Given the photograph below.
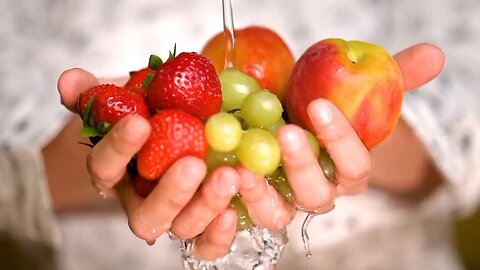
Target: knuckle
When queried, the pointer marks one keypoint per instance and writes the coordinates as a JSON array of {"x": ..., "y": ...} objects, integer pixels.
[
  {"x": 209, "y": 251},
  {"x": 188, "y": 231},
  {"x": 106, "y": 178},
  {"x": 175, "y": 201},
  {"x": 361, "y": 170},
  {"x": 119, "y": 145},
  {"x": 213, "y": 203},
  {"x": 96, "y": 174}
]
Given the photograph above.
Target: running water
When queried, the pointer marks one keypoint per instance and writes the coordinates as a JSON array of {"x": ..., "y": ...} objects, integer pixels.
[
  {"x": 229, "y": 32},
  {"x": 253, "y": 249},
  {"x": 305, "y": 238}
]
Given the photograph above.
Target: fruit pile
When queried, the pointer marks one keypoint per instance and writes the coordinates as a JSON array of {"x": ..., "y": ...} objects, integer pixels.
[{"x": 230, "y": 116}]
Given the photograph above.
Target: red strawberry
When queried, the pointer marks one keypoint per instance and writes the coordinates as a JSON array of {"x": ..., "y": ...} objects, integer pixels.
[
  {"x": 104, "y": 105},
  {"x": 140, "y": 79},
  {"x": 142, "y": 186},
  {"x": 175, "y": 134},
  {"x": 136, "y": 81},
  {"x": 189, "y": 82}
]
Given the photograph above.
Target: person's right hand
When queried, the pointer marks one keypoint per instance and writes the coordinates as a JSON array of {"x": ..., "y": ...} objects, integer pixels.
[{"x": 181, "y": 202}]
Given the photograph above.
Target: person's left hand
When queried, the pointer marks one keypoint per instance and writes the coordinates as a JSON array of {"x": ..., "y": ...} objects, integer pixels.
[{"x": 313, "y": 192}]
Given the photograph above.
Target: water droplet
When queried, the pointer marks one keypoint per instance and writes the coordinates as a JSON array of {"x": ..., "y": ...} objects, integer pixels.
[
  {"x": 172, "y": 236},
  {"x": 102, "y": 194}
]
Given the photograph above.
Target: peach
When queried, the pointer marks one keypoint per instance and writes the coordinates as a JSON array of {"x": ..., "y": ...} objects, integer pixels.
[
  {"x": 360, "y": 78},
  {"x": 259, "y": 52}
]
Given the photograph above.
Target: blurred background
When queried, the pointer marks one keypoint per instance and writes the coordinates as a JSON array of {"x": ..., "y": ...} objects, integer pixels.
[
  {"x": 468, "y": 240},
  {"x": 41, "y": 38}
]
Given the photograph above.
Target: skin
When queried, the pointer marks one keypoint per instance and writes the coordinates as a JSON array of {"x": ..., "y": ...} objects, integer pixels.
[{"x": 176, "y": 205}]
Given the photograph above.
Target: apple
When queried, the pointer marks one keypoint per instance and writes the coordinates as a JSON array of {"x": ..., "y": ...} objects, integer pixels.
[
  {"x": 260, "y": 52},
  {"x": 360, "y": 78}
]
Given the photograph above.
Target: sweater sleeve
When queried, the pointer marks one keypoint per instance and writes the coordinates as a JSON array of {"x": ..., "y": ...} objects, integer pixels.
[
  {"x": 446, "y": 118},
  {"x": 25, "y": 209}
]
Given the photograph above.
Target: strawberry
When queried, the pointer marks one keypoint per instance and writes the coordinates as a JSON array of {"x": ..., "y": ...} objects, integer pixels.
[
  {"x": 188, "y": 82},
  {"x": 140, "y": 79},
  {"x": 175, "y": 134},
  {"x": 104, "y": 105},
  {"x": 142, "y": 186},
  {"x": 136, "y": 81}
]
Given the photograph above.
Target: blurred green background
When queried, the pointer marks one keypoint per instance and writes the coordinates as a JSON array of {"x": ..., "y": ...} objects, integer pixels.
[{"x": 468, "y": 240}]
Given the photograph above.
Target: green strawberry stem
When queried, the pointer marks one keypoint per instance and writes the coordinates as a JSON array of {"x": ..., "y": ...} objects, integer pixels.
[
  {"x": 147, "y": 81},
  {"x": 87, "y": 113},
  {"x": 174, "y": 54},
  {"x": 103, "y": 128},
  {"x": 90, "y": 132}
]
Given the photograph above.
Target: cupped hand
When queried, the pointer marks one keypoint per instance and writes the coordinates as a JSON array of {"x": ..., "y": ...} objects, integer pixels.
[
  {"x": 182, "y": 203},
  {"x": 189, "y": 207},
  {"x": 419, "y": 64}
]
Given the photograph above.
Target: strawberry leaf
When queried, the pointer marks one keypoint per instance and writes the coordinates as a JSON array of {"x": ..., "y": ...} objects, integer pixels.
[
  {"x": 154, "y": 62},
  {"x": 90, "y": 132},
  {"x": 172, "y": 55},
  {"x": 103, "y": 128},
  {"x": 147, "y": 81},
  {"x": 87, "y": 115}
]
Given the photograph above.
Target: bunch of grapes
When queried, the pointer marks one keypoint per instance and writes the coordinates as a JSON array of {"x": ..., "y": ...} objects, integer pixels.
[{"x": 244, "y": 132}]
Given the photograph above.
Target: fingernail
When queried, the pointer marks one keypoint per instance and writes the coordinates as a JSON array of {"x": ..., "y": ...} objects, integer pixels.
[
  {"x": 321, "y": 112},
  {"x": 249, "y": 180},
  {"x": 226, "y": 221},
  {"x": 293, "y": 141},
  {"x": 189, "y": 175},
  {"x": 134, "y": 129},
  {"x": 226, "y": 184}
]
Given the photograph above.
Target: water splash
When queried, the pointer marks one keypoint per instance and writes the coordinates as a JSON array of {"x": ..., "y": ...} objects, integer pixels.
[{"x": 253, "y": 249}]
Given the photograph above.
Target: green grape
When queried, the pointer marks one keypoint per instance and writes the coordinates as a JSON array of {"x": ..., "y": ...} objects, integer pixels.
[
  {"x": 279, "y": 181},
  {"x": 259, "y": 151},
  {"x": 236, "y": 85},
  {"x": 274, "y": 128},
  {"x": 327, "y": 165},
  {"x": 215, "y": 159},
  {"x": 223, "y": 132},
  {"x": 313, "y": 141},
  {"x": 261, "y": 109},
  {"x": 244, "y": 221}
]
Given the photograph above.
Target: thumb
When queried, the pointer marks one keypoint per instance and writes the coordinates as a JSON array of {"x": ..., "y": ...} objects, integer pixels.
[
  {"x": 420, "y": 64},
  {"x": 71, "y": 83}
]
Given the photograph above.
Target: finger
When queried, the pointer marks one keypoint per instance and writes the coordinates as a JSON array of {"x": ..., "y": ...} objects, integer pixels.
[
  {"x": 71, "y": 83},
  {"x": 215, "y": 242},
  {"x": 172, "y": 193},
  {"x": 351, "y": 157},
  {"x": 419, "y": 64},
  {"x": 313, "y": 192},
  {"x": 265, "y": 206},
  {"x": 108, "y": 159},
  {"x": 213, "y": 198}
]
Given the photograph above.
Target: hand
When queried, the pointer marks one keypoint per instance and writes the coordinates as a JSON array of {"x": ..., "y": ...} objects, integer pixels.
[
  {"x": 179, "y": 202},
  {"x": 419, "y": 64},
  {"x": 313, "y": 192}
]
